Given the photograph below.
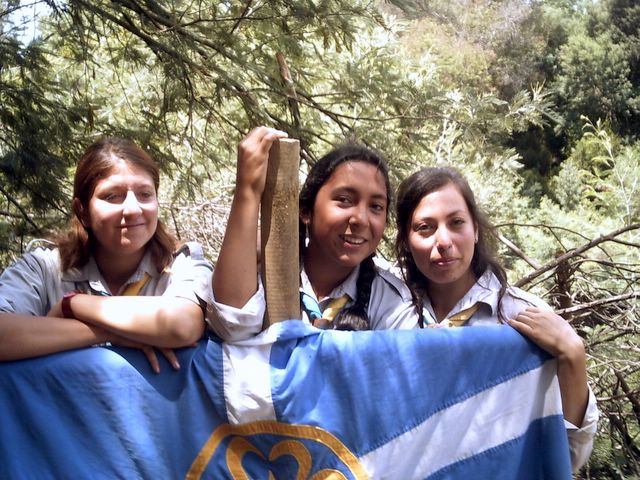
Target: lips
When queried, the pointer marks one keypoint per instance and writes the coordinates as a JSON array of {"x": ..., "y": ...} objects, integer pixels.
[
  {"x": 445, "y": 262},
  {"x": 356, "y": 241}
]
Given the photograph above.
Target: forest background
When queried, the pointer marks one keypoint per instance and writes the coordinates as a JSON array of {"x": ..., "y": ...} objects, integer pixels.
[{"x": 536, "y": 101}]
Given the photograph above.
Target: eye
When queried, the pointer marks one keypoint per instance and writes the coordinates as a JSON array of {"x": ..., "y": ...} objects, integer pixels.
[
  {"x": 344, "y": 200},
  {"x": 379, "y": 207},
  {"x": 146, "y": 195},
  {"x": 113, "y": 197},
  {"x": 458, "y": 222},
  {"x": 424, "y": 228}
]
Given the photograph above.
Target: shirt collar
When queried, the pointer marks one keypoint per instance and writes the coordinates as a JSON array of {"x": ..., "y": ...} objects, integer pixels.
[
  {"x": 348, "y": 286},
  {"x": 90, "y": 273},
  {"x": 484, "y": 291}
]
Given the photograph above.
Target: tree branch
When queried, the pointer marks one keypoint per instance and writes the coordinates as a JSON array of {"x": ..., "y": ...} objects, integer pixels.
[
  {"x": 243, "y": 15},
  {"x": 514, "y": 248},
  {"x": 25, "y": 215},
  {"x": 598, "y": 303},
  {"x": 574, "y": 253}
]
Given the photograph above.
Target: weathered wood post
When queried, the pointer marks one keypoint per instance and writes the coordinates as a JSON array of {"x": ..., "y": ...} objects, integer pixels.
[{"x": 279, "y": 233}]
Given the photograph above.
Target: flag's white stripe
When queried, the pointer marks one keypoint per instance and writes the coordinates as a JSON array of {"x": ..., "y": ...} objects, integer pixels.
[
  {"x": 247, "y": 383},
  {"x": 479, "y": 423}
]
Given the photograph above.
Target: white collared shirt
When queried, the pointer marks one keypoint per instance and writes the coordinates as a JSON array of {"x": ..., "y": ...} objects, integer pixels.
[
  {"x": 390, "y": 305},
  {"x": 486, "y": 292}
]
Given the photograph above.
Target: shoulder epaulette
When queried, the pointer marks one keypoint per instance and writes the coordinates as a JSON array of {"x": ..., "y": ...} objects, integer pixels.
[{"x": 192, "y": 249}]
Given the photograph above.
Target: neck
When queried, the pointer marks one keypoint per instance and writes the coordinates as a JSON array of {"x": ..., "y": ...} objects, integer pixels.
[
  {"x": 444, "y": 296},
  {"x": 117, "y": 269},
  {"x": 324, "y": 278}
]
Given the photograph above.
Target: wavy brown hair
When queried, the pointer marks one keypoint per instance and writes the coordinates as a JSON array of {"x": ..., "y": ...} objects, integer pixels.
[
  {"x": 410, "y": 192},
  {"x": 77, "y": 244}
]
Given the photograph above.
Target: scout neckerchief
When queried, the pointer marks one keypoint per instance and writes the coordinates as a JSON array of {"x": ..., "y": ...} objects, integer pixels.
[
  {"x": 460, "y": 318},
  {"x": 324, "y": 319},
  {"x": 135, "y": 287}
]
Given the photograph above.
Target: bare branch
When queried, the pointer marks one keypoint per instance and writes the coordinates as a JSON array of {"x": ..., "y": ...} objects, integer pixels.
[
  {"x": 574, "y": 253},
  {"x": 514, "y": 248},
  {"x": 598, "y": 303},
  {"x": 243, "y": 15}
]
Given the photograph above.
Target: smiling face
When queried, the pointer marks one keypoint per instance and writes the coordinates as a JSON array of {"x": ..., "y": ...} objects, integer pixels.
[
  {"x": 348, "y": 218},
  {"x": 122, "y": 212},
  {"x": 441, "y": 238}
]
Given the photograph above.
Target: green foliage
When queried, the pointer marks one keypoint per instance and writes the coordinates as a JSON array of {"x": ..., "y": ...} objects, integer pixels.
[
  {"x": 595, "y": 81},
  {"x": 37, "y": 140},
  {"x": 607, "y": 175},
  {"x": 535, "y": 101}
]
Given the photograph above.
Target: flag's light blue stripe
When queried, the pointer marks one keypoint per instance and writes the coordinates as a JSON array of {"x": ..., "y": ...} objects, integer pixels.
[
  {"x": 344, "y": 369},
  {"x": 101, "y": 413},
  {"x": 536, "y": 460}
]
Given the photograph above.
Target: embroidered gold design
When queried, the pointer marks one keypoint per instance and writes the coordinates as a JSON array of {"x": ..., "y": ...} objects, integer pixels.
[
  {"x": 240, "y": 444},
  {"x": 298, "y": 451},
  {"x": 238, "y": 447},
  {"x": 329, "y": 474}
]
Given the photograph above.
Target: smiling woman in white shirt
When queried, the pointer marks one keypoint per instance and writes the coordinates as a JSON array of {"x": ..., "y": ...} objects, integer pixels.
[
  {"x": 449, "y": 264},
  {"x": 116, "y": 275},
  {"x": 343, "y": 210}
]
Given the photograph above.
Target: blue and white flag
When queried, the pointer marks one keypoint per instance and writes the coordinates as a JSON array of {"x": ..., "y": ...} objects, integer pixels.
[{"x": 293, "y": 402}]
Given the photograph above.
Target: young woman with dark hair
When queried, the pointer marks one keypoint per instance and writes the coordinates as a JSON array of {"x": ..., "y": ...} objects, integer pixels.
[
  {"x": 116, "y": 276},
  {"x": 445, "y": 251},
  {"x": 343, "y": 209}
]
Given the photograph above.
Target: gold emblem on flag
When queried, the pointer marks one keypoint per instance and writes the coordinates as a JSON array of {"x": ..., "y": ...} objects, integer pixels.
[{"x": 295, "y": 442}]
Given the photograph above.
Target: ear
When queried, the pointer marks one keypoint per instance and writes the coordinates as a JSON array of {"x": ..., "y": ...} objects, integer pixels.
[
  {"x": 475, "y": 231},
  {"x": 305, "y": 216},
  {"x": 80, "y": 212}
]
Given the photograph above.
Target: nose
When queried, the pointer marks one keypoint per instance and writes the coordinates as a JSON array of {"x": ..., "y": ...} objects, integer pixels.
[
  {"x": 130, "y": 205},
  {"x": 359, "y": 215},
  {"x": 443, "y": 239}
]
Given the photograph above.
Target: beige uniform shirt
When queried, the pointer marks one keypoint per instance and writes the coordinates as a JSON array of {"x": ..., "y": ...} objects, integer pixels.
[{"x": 33, "y": 284}]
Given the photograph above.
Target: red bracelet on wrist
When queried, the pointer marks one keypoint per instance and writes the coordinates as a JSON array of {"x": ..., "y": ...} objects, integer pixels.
[{"x": 67, "y": 312}]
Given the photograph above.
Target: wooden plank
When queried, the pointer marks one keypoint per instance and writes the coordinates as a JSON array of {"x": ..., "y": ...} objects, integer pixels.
[{"x": 279, "y": 233}]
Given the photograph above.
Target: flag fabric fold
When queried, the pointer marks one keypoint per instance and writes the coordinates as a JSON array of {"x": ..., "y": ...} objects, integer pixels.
[{"x": 293, "y": 402}]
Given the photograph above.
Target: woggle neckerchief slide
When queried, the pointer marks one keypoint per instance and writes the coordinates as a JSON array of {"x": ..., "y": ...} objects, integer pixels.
[{"x": 292, "y": 402}]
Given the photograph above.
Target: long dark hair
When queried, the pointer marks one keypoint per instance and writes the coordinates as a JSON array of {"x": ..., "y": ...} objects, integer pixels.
[
  {"x": 354, "y": 317},
  {"x": 410, "y": 192},
  {"x": 98, "y": 161}
]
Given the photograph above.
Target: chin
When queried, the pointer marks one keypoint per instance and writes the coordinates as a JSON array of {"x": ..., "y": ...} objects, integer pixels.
[
  {"x": 132, "y": 247},
  {"x": 444, "y": 280},
  {"x": 353, "y": 263}
]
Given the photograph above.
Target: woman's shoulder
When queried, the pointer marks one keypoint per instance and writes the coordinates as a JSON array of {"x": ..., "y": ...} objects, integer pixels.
[
  {"x": 521, "y": 299},
  {"x": 388, "y": 277},
  {"x": 514, "y": 299},
  {"x": 33, "y": 278},
  {"x": 42, "y": 253},
  {"x": 190, "y": 249},
  {"x": 189, "y": 260}
]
